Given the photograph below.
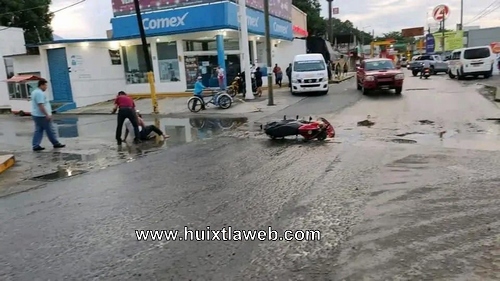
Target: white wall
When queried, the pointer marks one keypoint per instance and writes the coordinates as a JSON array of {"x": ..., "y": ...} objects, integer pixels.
[
  {"x": 11, "y": 43},
  {"x": 94, "y": 79},
  {"x": 24, "y": 64}
]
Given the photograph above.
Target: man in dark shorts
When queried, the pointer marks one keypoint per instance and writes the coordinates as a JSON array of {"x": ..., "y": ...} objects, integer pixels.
[{"x": 126, "y": 110}]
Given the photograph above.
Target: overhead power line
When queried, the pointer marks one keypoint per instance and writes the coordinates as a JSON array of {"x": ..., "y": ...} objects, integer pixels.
[
  {"x": 38, "y": 7},
  {"x": 495, "y": 5}
]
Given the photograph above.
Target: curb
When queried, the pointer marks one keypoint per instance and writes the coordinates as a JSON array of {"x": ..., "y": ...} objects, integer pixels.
[
  {"x": 495, "y": 90},
  {"x": 340, "y": 80},
  {"x": 6, "y": 161}
]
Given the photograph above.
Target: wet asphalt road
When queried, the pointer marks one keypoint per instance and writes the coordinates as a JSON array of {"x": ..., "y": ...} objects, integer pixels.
[{"x": 419, "y": 206}]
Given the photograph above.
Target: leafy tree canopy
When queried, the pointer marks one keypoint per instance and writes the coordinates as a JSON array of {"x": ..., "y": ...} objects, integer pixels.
[{"x": 33, "y": 16}]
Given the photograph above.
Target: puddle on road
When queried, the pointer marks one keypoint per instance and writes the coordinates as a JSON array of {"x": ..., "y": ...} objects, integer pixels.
[
  {"x": 59, "y": 175},
  {"x": 96, "y": 149}
]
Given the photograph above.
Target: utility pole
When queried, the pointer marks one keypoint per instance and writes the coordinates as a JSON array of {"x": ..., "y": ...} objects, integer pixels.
[
  {"x": 270, "y": 100},
  {"x": 461, "y": 15},
  {"x": 245, "y": 55},
  {"x": 147, "y": 57},
  {"x": 330, "y": 22},
  {"x": 442, "y": 34}
]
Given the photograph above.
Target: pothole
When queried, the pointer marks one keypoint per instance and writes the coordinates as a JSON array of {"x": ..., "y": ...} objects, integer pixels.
[
  {"x": 419, "y": 89},
  {"x": 426, "y": 122},
  {"x": 407, "y": 134},
  {"x": 61, "y": 174},
  {"x": 366, "y": 123},
  {"x": 403, "y": 141}
]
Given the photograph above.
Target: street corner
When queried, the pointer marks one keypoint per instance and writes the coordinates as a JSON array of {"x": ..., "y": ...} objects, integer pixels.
[{"x": 6, "y": 161}]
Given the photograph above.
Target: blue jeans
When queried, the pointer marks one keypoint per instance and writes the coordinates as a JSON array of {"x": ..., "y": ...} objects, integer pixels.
[{"x": 42, "y": 124}]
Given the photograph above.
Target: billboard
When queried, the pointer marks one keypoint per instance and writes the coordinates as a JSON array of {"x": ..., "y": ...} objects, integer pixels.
[
  {"x": 278, "y": 8},
  {"x": 412, "y": 32},
  {"x": 452, "y": 40}
]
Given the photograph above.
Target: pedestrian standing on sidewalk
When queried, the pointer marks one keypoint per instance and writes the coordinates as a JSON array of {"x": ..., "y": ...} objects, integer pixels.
[
  {"x": 220, "y": 77},
  {"x": 258, "y": 81},
  {"x": 126, "y": 110},
  {"x": 41, "y": 112},
  {"x": 289, "y": 75}
]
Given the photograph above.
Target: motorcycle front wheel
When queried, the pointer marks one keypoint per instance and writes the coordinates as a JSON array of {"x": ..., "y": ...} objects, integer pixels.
[{"x": 322, "y": 136}]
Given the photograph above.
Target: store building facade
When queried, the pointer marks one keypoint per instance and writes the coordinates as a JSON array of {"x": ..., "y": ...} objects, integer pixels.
[{"x": 184, "y": 43}]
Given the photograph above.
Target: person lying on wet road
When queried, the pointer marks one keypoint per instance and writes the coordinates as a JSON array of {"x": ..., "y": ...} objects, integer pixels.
[
  {"x": 145, "y": 132},
  {"x": 126, "y": 110}
]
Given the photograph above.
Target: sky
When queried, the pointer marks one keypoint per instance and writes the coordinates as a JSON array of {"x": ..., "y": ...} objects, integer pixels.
[{"x": 90, "y": 19}]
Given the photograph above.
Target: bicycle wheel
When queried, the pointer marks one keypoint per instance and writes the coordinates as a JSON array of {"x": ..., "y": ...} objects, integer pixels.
[
  {"x": 231, "y": 91},
  {"x": 194, "y": 107},
  {"x": 225, "y": 101}
]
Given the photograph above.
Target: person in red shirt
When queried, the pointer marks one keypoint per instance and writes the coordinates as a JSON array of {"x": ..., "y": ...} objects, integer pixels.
[{"x": 126, "y": 110}]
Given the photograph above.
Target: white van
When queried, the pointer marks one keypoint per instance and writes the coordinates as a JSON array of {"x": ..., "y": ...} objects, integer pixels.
[
  {"x": 473, "y": 61},
  {"x": 309, "y": 74}
]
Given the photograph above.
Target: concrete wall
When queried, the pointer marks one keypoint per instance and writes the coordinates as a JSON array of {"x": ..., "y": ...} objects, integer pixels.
[
  {"x": 299, "y": 18},
  {"x": 483, "y": 37},
  {"x": 11, "y": 43},
  {"x": 96, "y": 79}
]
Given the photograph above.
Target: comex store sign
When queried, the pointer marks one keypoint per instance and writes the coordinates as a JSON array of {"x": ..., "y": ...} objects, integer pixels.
[
  {"x": 278, "y": 28},
  {"x": 175, "y": 21}
]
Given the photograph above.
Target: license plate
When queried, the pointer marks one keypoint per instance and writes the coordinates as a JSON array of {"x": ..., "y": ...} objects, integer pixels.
[{"x": 384, "y": 87}]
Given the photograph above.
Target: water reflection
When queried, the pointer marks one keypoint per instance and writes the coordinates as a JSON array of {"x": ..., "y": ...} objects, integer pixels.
[{"x": 67, "y": 127}]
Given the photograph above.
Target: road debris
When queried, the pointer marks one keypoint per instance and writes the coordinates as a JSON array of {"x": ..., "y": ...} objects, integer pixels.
[{"x": 426, "y": 122}]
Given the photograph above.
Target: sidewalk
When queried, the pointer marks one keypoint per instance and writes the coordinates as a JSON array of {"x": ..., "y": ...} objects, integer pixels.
[{"x": 178, "y": 106}]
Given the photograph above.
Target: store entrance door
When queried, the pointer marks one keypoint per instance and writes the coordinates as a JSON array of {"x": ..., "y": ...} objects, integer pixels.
[{"x": 206, "y": 67}]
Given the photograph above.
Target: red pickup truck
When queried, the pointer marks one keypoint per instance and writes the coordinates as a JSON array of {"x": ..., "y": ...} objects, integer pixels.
[{"x": 379, "y": 74}]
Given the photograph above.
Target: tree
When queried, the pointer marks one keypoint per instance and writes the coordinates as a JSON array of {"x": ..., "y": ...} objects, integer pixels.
[
  {"x": 396, "y": 35},
  {"x": 347, "y": 28},
  {"x": 33, "y": 16},
  {"x": 315, "y": 23}
]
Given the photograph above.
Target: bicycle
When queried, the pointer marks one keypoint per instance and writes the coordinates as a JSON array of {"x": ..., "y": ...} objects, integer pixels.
[{"x": 217, "y": 98}]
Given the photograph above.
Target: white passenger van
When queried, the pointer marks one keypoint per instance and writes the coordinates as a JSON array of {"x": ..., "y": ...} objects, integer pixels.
[
  {"x": 473, "y": 61},
  {"x": 309, "y": 74}
]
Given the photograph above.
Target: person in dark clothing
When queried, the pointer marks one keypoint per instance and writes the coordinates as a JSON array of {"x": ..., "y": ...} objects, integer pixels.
[
  {"x": 289, "y": 75},
  {"x": 144, "y": 131},
  {"x": 258, "y": 81},
  {"x": 126, "y": 110}
]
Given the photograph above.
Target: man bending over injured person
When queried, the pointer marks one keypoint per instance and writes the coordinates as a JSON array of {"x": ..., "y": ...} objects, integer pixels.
[{"x": 145, "y": 132}]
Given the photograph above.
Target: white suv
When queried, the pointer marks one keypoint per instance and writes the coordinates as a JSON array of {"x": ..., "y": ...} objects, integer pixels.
[{"x": 474, "y": 61}]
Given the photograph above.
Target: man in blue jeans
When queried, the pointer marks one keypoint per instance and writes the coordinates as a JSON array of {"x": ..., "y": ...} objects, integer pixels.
[{"x": 41, "y": 112}]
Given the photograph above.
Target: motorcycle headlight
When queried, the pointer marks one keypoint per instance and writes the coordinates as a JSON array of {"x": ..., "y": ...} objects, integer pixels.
[
  {"x": 370, "y": 78},
  {"x": 399, "y": 76}
]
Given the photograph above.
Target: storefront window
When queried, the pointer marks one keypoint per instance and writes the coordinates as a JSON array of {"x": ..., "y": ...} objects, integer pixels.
[
  {"x": 21, "y": 90},
  {"x": 168, "y": 63},
  {"x": 193, "y": 46},
  {"x": 136, "y": 69}
]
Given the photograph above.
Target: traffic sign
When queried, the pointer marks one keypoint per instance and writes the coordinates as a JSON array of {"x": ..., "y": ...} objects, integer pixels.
[
  {"x": 441, "y": 12},
  {"x": 335, "y": 11}
]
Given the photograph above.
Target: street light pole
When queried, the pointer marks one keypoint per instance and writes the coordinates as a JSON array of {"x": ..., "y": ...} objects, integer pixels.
[
  {"x": 245, "y": 50},
  {"x": 147, "y": 57},
  {"x": 270, "y": 100},
  {"x": 330, "y": 22}
]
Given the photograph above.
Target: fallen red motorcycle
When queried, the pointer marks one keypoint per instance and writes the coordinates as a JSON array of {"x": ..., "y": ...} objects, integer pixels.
[{"x": 319, "y": 129}]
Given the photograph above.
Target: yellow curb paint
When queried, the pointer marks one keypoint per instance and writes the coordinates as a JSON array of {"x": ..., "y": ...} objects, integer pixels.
[{"x": 6, "y": 161}]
